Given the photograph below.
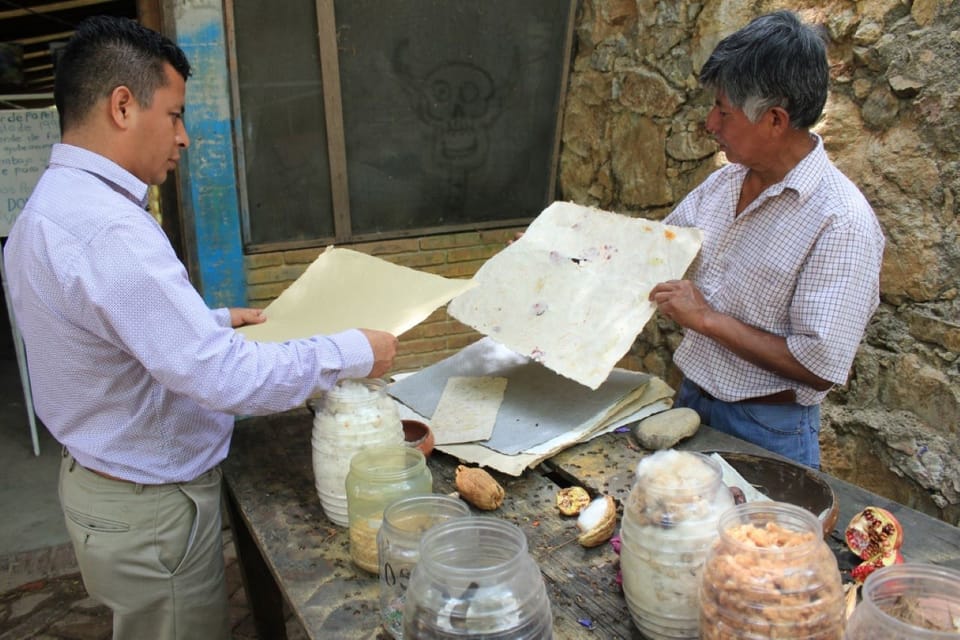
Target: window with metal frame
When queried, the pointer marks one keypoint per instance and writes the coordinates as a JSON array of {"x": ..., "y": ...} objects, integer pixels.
[{"x": 373, "y": 119}]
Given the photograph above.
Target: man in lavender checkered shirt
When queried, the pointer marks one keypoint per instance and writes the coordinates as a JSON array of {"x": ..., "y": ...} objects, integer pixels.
[
  {"x": 788, "y": 276},
  {"x": 131, "y": 371}
]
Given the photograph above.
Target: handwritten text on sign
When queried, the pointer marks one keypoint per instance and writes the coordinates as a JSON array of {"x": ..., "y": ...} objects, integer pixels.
[{"x": 25, "y": 139}]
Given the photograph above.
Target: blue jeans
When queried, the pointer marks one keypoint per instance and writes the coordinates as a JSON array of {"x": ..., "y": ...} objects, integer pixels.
[{"x": 792, "y": 430}]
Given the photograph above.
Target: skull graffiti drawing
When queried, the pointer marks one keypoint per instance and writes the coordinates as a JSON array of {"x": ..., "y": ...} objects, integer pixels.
[{"x": 459, "y": 101}]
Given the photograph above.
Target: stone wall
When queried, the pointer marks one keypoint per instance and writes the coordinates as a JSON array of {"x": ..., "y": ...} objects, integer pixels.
[{"x": 633, "y": 142}]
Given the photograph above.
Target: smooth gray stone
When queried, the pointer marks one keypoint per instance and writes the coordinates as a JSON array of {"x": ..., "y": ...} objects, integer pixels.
[{"x": 667, "y": 428}]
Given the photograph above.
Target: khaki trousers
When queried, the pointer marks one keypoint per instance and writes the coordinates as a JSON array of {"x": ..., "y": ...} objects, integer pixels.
[{"x": 151, "y": 553}]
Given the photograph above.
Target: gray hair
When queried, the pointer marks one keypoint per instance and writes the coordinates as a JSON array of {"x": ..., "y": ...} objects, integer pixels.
[{"x": 775, "y": 61}]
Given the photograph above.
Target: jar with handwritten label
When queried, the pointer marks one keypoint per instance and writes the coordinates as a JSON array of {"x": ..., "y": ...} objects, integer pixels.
[
  {"x": 917, "y": 601},
  {"x": 378, "y": 476},
  {"x": 353, "y": 415},
  {"x": 476, "y": 579},
  {"x": 398, "y": 548}
]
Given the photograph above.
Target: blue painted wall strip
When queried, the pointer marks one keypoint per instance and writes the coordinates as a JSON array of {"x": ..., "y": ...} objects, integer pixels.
[{"x": 210, "y": 163}]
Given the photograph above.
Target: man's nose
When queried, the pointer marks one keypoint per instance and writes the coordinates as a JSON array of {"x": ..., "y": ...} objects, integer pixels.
[
  {"x": 183, "y": 140},
  {"x": 710, "y": 124}
]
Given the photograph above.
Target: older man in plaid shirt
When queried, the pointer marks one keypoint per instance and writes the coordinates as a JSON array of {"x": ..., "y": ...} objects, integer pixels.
[{"x": 788, "y": 275}]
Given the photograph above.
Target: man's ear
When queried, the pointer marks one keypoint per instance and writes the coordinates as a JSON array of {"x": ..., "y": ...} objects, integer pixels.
[
  {"x": 779, "y": 119},
  {"x": 121, "y": 104}
]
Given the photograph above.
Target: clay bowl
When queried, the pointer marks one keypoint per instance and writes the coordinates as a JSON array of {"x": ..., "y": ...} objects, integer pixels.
[
  {"x": 417, "y": 434},
  {"x": 786, "y": 481}
]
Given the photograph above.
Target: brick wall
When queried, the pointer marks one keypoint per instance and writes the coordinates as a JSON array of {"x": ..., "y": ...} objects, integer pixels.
[{"x": 456, "y": 255}]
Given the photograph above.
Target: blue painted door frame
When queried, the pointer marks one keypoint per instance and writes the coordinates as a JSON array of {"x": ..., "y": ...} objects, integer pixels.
[{"x": 208, "y": 184}]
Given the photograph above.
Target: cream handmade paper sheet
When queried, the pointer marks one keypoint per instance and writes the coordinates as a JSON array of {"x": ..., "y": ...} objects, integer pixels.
[
  {"x": 344, "y": 289},
  {"x": 572, "y": 292},
  {"x": 467, "y": 410}
]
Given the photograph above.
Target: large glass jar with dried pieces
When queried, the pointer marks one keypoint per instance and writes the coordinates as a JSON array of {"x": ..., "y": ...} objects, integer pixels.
[
  {"x": 353, "y": 415},
  {"x": 770, "y": 574},
  {"x": 378, "y": 476},
  {"x": 669, "y": 521},
  {"x": 916, "y": 601},
  {"x": 476, "y": 579}
]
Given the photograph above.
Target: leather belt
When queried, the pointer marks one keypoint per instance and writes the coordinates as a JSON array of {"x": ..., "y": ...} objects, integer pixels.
[
  {"x": 108, "y": 476},
  {"x": 787, "y": 396},
  {"x": 73, "y": 462},
  {"x": 116, "y": 479}
]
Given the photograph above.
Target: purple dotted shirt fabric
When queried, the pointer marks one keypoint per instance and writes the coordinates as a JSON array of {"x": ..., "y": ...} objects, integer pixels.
[{"x": 129, "y": 368}]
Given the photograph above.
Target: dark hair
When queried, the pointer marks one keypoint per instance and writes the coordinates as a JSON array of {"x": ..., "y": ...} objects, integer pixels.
[
  {"x": 776, "y": 60},
  {"x": 104, "y": 53}
]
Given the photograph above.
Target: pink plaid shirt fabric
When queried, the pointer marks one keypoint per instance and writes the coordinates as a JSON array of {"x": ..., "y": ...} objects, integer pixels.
[
  {"x": 802, "y": 261},
  {"x": 129, "y": 367}
]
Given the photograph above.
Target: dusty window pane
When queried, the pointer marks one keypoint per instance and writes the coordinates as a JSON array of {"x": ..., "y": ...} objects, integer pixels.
[
  {"x": 449, "y": 109},
  {"x": 450, "y": 112},
  {"x": 284, "y": 134}
]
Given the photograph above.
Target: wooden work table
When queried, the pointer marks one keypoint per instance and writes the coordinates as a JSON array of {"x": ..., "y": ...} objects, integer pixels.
[{"x": 290, "y": 552}]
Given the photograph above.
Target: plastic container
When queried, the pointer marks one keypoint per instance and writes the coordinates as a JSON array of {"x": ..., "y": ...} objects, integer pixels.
[
  {"x": 669, "y": 522},
  {"x": 770, "y": 574},
  {"x": 353, "y": 415},
  {"x": 476, "y": 579},
  {"x": 398, "y": 547},
  {"x": 378, "y": 476},
  {"x": 904, "y": 601}
]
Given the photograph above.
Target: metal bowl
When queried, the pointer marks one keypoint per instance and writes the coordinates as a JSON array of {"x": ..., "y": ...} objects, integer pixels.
[{"x": 786, "y": 481}]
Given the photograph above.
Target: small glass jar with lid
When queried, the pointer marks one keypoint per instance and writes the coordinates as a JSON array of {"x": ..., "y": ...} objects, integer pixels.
[
  {"x": 908, "y": 601},
  {"x": 669, "y": 521},
  {"x": 378, "y": 476},
  {"x": 476, "y": 579},
  {"x": 353, "y": 415},
  {"x": 770, "y": 574},
  {"x": 398, "y": 547}
]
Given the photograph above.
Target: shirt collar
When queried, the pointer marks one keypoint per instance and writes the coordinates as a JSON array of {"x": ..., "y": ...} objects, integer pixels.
[
  {"x": 802, "y": 179},
  {"x": 67, "y": 155},
  {"x": 805, "y": 177}
]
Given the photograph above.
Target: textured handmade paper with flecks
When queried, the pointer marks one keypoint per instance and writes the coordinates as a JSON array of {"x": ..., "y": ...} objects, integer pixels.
[
  {"x": 468, "y": 408},
  {"x": 572, "y": 292}
]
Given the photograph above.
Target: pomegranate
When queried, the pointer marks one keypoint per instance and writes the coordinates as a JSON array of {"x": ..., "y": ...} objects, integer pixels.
[
  {"x": 860, "y": 572},
  {"x": 875, "y": 536}
]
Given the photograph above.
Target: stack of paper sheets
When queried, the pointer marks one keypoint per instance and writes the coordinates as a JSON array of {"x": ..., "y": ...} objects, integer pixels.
[
  {"x": 562, "y": 305},
  {"x": 535, "y": 412}
]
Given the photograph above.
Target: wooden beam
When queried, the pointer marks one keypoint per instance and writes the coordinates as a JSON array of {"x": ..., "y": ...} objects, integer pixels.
[
  {"x": 44, "y": 65},
  {"x": 333, "y": 112},
  {"x": 50, "y": 8},
  {"x": 551, "y": 194},
  {"x": 150, "y": 15},
  {"x": 49, "y": 37}
]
